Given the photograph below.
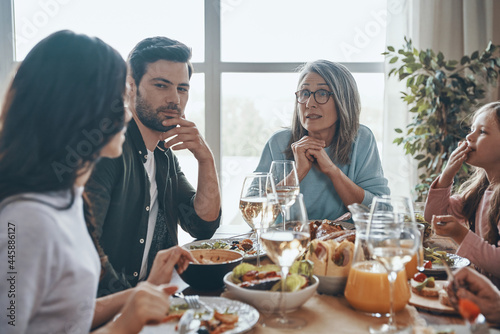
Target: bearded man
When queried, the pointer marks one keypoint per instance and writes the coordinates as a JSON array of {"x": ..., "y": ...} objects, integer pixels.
[{"x": 137, "y": 200}]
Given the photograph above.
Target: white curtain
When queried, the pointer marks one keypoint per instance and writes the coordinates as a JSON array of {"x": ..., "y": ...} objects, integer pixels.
[{"x": 454, "y": 27}]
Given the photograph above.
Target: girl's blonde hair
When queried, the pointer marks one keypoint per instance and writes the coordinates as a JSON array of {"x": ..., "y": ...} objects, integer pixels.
[{"x": 473, "y": 190}]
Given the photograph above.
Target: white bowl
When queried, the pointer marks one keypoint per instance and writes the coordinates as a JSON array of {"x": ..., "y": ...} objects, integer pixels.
[
  {"x": 268, "y": 301},
  {"x": 330, "y": 285}
]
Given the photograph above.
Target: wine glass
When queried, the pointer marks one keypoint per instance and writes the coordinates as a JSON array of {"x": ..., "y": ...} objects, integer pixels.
[
  {"x": 392, "y": 240},
  {"x": 284, "y": 242},
  {"x": 259, "y": 205},
  {"x": 285, "y": 178}
]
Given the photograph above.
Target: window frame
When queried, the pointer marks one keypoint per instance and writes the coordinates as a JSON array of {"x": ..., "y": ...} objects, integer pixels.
[
  {"x": 212, "y": 67},
  {"x": 6, "y": 42}
]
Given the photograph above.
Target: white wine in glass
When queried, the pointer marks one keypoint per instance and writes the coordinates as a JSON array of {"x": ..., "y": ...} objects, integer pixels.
[
  {"x": 258, "y": 204},
  {"x": 284, "y": 174},
  {"x": 284, "y": 242}
]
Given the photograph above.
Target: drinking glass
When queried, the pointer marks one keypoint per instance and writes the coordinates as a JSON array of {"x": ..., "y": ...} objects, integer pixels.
[
  {"x": 285, "y": 178},
  {"x": 392, "y": 240},
  {"x": 259, "y": 204},
  {"x": 284, "y": 242}
]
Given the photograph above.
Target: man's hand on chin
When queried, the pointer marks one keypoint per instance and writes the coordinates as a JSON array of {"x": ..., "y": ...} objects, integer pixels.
[{"x": 186, "y": 136}]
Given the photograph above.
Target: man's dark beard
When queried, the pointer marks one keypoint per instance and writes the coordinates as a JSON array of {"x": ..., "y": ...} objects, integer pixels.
[{"x": 150, "y": 118}]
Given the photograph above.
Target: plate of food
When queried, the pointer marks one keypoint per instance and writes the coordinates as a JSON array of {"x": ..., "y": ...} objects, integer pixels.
[
  {"x": 246, "y": 246},
  {"x": 232, "y": 316},
  {"x": 433, "y": 265},
  {"x": 430, "y": 294},
  {"x": 261, "y": 286}
]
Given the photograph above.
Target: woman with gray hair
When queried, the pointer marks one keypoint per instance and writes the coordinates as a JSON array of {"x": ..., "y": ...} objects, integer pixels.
[{"x": 337, "y": 158}]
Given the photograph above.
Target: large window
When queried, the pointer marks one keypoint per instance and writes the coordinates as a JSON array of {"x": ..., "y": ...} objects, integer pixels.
[
  {"x": 119, "y": 23},
  {"x": 245, "y": 54}
]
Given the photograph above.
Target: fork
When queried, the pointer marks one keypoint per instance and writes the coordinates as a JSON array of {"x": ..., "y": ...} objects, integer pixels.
[
  {"x": 191, "y": 303},
  {"x": 195, "y": 302},
  {"x": 451, "y": 277}
]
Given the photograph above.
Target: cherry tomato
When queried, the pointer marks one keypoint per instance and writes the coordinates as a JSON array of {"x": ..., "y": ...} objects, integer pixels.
[
  {"x": 419, "y": 277},
  {"x": 428, "y": 265}
]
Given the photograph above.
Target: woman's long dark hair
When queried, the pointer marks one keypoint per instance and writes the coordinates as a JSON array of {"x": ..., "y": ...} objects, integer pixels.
[{"x": 63, "y": 106}]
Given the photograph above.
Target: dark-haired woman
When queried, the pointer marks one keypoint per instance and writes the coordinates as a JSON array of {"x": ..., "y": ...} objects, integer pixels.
[
  {"x": 337, "y": 159},
  {"x": 64, "y": 110}
]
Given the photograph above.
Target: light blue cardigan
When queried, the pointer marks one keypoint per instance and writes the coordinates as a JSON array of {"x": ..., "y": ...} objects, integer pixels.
[{"x": 320, "y": 197}]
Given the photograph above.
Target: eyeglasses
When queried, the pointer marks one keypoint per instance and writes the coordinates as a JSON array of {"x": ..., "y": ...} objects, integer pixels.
[{"x": 321, "y": 96}]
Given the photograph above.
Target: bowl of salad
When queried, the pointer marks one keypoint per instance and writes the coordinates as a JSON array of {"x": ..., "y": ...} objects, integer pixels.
[{"x": 260, "y": 286}]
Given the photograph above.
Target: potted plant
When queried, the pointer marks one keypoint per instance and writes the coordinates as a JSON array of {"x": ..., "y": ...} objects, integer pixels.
[{"x": 441, "y": 94}]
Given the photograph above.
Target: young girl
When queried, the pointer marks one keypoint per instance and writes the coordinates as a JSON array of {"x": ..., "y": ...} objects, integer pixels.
[
  {"x": 472, "y": 217},
  {"x": 63, "y": 110}
]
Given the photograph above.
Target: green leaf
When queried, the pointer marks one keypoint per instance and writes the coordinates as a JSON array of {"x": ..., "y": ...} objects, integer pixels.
[
  {"x": 398, "y": 141},
  {"x": 474, "y": 55},
  {"x": 404, "y": 75},
  {"x": 393, "y": 60},
  {"x": 464, "y": 60},
  {"x": 390, "y": 48},
  {"x": 421, "y": 164},
  {"x": 410, "y": 81},
  {"x": 398, "y": 130}
]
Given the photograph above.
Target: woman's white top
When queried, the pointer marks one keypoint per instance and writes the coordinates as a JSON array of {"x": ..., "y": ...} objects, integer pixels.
[{"x": 50, "y": 267}]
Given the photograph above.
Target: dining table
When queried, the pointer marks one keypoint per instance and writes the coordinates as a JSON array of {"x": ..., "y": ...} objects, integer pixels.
[{"x": 333, "y": 314}]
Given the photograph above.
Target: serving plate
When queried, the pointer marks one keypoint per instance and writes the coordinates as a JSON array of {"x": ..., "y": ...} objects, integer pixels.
[
  {"x": 228, "y": 242},
  {"x": 431, "y": 304},
  {"x": 248, "y": 316},
  {"x": 438, "y": 268}
]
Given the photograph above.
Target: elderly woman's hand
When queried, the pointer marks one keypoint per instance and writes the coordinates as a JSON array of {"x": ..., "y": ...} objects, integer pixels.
[
  {"x": 302, "y": 153},
  {"x": 323, "y": 161}
]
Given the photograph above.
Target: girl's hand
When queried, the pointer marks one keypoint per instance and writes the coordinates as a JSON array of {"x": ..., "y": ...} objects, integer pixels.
[
  {"x": 448, "y": 226},
  {"x": 457, "y": 158},
  {"x": 302, "y": 154}
]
